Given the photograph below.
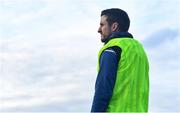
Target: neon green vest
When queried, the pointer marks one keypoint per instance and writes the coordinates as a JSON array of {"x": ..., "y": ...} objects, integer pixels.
[{"x": 131, "y": 90}]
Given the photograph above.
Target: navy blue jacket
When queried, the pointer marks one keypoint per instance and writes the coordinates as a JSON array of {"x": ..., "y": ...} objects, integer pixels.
[{"x": 107, "y": 75}]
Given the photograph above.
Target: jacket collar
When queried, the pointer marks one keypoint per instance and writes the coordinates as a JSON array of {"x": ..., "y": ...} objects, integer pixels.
[{"x": 118, "y": 35}]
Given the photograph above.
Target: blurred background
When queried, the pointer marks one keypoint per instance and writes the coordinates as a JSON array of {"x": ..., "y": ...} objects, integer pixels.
[{"x": 48, "y": 52}]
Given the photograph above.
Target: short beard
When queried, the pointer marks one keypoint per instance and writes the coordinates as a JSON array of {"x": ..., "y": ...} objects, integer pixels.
[{"x": 105, "y": 39}]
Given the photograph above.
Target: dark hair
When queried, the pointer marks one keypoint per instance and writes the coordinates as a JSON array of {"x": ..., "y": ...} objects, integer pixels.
[{"x": 119, "y": 16}]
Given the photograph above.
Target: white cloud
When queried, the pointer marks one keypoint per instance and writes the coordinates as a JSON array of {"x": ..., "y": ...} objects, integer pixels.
[{"x": 48, "y": 54}]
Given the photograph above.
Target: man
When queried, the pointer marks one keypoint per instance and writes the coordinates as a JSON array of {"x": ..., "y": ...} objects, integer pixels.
[{"x": 122, "y": 83}]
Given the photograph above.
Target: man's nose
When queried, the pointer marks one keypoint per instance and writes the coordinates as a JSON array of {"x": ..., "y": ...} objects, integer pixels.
[{"x": 99, "y": 30}]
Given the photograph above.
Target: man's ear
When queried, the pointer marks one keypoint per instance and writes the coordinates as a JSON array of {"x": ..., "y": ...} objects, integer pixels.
[{"x": 114, "y": 27}]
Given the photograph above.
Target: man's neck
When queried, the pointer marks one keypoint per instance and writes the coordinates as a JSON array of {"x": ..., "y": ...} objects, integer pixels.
[{"x": 118, "y": 35}]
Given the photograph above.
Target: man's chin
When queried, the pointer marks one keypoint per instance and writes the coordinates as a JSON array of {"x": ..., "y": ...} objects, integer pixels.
[{"x": 103, "y": 39}]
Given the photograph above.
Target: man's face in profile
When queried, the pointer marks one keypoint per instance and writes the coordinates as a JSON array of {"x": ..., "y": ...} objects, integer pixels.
[{"x": 104, "y": 29}]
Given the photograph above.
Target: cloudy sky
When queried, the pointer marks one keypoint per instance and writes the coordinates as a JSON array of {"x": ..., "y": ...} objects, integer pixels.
[{"x": 48, "y": 52}]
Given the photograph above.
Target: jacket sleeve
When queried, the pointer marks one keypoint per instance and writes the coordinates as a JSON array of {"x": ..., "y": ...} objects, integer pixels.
[{"x": 105, "y": 81}]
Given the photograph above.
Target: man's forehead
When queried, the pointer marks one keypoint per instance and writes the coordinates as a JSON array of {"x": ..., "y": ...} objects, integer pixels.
[{"x": 103, "y": 18}]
